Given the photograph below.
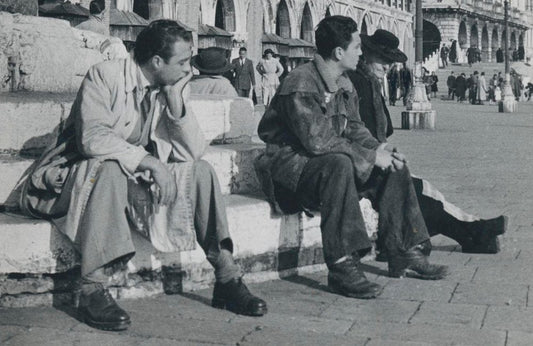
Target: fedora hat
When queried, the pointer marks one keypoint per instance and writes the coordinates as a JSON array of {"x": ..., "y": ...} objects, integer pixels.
[
  {"x": 384, "y": 44},
  {"x": 211, "y": 60}
]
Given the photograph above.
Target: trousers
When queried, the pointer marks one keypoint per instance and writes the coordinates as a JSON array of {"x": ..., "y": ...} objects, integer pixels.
[
  {"x": 105, "y": 236},
  {"x": 327, "y": 184}
]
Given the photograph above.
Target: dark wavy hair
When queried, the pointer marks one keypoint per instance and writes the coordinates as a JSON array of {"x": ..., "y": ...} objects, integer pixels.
[
  {"x": 158, "y": 38},
  {"x": 333, "y": 32}
]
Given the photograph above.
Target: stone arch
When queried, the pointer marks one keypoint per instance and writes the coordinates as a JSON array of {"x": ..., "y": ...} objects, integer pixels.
[
  {"x": 306, "y": 28},
  {"x": 142, "y": 8},
  {"x": 268, "y": 17},
  {"x": 351, "y": 13},
  {"x": 431, "y": 38},
  {"x": 225, "y": 15},
  {"x": 512, "y": 44},
  {"x": 381, "y": 24},
  {"x": 521, "y": 40},
  {"x": 485, "y": 46},
  {"x": 474, "y": 36},
  {"x": 495, "y": 44},
  {"x": 283, "y": 21},
  {"x": 463, "y": 36}
]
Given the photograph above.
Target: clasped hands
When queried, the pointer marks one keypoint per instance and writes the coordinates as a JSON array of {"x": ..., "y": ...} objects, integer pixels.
[{"x": 389, "y": 159}]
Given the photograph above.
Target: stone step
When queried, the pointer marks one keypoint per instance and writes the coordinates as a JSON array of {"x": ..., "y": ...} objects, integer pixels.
[
  {"x": 30, "y": 121},
  {"x": 233, "y": 164},
  {"x": 36, "y": 261}
]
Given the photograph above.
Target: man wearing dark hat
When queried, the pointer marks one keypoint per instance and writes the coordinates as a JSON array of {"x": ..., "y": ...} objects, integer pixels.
[
  {"x": 130, "y": 134},
  {"x": 211, "y": 63},
  {"x": 321, "y": 157},
  {"x": 244, "y": 78},
  {"x": 441, "y": 217}
]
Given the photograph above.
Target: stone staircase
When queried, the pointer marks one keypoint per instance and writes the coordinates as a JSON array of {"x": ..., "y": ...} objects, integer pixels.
[
  {"x": 490, "y": 68},
  {"x": 38, "y": 265}
]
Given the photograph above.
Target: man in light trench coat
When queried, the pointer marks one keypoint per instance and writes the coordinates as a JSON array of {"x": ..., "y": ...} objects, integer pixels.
[{"x": 131, "y": 134}]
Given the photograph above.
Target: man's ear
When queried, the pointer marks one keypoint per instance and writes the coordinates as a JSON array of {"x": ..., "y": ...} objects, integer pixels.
[
  {"x": 337, "y": 53},
  {"x": 156, "y": 61}
]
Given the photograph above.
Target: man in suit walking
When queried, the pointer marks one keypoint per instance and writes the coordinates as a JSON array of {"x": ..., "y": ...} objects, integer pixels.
[{"x": 244, "y": 78}]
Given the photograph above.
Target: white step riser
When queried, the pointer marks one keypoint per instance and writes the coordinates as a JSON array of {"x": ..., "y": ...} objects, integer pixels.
[
  {"x": 34, "y": 246},
  {"x": 232, "y": 163},
  {"x": 29, "y": 125}
]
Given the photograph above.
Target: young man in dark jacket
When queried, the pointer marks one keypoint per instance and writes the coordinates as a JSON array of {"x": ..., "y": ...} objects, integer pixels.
[
  {"x": 441, "y": 217},
  {"x": 321, "y": 157}
]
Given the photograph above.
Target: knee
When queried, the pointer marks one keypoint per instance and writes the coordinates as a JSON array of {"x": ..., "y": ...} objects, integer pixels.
[
  {"x": 110, "y": 169},
  {"x": 339, "y": 165},
  {"x": 203, "y": 170}
]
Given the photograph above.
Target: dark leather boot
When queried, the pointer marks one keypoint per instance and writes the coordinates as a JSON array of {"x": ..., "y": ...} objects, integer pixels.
[
  {"x": 99, "y": 310},
  {"x": 425, "y": 248},
  {"x": 484, "y": 236},
  {"x": 414, "y": 264},
  {"x": 347, "y": 279},
  {"x": 235, "y": 296}
]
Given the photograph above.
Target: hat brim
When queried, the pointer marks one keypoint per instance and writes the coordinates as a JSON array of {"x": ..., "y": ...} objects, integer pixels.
[
  {"x": 219, "y": 70},
  {"x": 391, "y": 55}
]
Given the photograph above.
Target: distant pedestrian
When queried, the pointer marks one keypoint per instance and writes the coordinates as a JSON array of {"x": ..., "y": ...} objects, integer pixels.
[
  {"x": 471, "y": 56},
  {"x": 244, "y": 74},
  {"x": 493, "y": 83},
  {"x": 450, "y": 83},
  {"x": 453, "y": 52},
  {"x": 96, "y": 22},
  {"x": 406, "y": 81},
  {"x": 270, "y": 70},
  {"x": 460, "y": 87},
  {"x": 434, "y": 80},
  {"x": 393, "y": 78},
  {"x": 482, "y": 89},
  {"x": 444, "y": 55}
]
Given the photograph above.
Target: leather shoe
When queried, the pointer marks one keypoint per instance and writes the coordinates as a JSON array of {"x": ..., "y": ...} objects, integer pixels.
[
  {"x": 414, "y": 264},
  {"x": 99, "y": 310},
  {"x": 235, "y": 296},
  {"x": 484, "y": 237},
  {"x": 347, "y": 279}
]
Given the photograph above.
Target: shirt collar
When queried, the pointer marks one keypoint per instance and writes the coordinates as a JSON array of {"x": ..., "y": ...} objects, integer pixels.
[{"x": 134, "y": 77}]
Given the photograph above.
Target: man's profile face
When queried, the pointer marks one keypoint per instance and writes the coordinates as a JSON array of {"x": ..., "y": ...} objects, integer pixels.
[
  {"x": 177, "y": 66},
  {"x": 350, "y": 58},
  {"x": 242, "y": 54}
]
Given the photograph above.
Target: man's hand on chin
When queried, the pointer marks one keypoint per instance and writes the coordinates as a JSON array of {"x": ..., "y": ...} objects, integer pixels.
[{"x": 174, "y": 96}]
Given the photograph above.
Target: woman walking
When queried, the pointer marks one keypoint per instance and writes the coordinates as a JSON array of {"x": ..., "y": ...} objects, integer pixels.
[{"x": 270, "y": 70}]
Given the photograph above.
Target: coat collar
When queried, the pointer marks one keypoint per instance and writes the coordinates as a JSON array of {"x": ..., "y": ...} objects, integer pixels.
[
  {"x": 134, "y": 77},
  {"x": 332, "y": 85}
]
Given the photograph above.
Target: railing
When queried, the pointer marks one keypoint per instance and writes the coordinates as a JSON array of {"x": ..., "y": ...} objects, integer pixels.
[{"x": 431, "y": 63}]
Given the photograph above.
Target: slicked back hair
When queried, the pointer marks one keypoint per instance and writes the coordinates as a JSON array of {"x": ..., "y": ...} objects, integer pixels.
[
  {"x": 333, "y": 32},
  {"x": 157, "y": 39}
]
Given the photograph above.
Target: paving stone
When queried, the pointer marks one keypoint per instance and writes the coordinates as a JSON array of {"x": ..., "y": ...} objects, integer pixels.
[
  {"x": 382, "y": 310},
  {"x": 444, "y": 335},
  {"x": 449, "y": 314},
  {"x": 381, "y": 342},
  {"x": 509, "y": 318},
  {"x": 418, "y": 290},
  {"x": 491, "y": 294},
  {"x": 519, "y": 271},
  {"x": 8, "y": 332},
  {"x": 52, "y": 337},
  {"x": 38, "y": 317},
  {"x": 292, "y": 322},
  {"x": 272, "y": 336},
  {"x": 516, "y": 338}
]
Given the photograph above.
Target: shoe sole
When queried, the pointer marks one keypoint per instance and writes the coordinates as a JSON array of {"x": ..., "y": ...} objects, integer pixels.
[
  {"x": 337, "y": 290},
  {"x": 109, "y": 326},
  {"x": 409, "y": 273},
  {"x": 223, "y": 305}
]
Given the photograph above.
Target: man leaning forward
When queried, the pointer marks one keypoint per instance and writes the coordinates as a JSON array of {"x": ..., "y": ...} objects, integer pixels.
[
  {"x": 320, "y": 156},
  {"x": 130, "y": 133}
]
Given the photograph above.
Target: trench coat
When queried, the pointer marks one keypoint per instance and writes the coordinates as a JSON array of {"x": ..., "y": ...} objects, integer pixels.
[
  {"x": 311, "y": 115},
  {"x": 102, "y": 119}
]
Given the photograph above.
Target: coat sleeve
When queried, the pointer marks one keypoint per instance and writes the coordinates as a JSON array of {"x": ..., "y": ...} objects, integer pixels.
[
  {"x": 356, "y": 130},
  {"x": 187, "y": 139},
  {"x": 306, "y": 119},
  {"x": 94, "y": 123}
]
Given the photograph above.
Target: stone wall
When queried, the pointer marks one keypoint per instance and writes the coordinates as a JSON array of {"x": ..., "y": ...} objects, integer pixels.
[
  {"x": 29, "y": 7},
  {"x": 46, "y": 54}
]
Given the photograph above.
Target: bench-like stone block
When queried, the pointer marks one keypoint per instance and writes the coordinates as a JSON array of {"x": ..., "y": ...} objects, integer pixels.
[{"x": 419, "y": 120}]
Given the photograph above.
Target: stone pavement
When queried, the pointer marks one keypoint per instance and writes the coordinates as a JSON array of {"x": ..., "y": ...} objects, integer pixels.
[{"x": 478, "y": 158}]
